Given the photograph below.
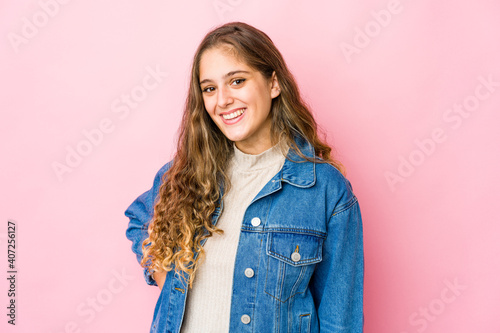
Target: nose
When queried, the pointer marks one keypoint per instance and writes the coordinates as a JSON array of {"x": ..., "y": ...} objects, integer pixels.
[{"x": 224, "y": 97}]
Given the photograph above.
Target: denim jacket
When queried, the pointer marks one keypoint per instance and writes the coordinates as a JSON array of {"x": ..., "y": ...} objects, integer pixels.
[{"x": 305, "y": 254}]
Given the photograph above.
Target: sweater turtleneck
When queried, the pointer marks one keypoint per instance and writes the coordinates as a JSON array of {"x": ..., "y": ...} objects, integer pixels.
[{"x": 242, "y": 162}]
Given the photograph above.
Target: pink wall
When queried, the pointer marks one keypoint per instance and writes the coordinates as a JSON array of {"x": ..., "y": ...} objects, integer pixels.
[{"x": 408, "y": 92}]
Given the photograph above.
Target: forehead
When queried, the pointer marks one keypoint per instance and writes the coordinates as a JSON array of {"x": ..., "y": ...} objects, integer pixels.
[{"x": 218, "y": 61}]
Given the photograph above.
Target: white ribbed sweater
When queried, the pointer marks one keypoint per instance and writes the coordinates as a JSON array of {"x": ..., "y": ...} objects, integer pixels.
[{"x": 208, "y": 303}]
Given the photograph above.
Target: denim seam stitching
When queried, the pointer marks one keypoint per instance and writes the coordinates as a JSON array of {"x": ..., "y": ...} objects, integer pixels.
[
  {"x": 309, "y": 232},
  {"x": 295, "y": 264},
  {"x": 256, "y": 284},
  {"x": 345, "y": 207}
]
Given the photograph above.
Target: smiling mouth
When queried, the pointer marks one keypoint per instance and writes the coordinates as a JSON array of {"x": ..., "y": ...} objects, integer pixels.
[{"x": 234, "y": 114}]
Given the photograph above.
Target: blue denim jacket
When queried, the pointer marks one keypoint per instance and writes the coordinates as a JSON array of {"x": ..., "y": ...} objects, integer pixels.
[{"x": 306, "y": 255}]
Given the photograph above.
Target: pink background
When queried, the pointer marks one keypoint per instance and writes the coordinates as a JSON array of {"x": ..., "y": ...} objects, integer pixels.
[{"x": 385, "y": 79}]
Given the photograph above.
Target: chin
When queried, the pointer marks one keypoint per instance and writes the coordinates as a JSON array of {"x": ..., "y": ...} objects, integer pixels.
[{"x": 234, "y": 137}]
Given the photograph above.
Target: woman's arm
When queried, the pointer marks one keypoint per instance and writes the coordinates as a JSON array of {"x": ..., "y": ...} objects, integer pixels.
[
  {"x": 140, "y": 213},
  {"x": 337, "y": 283},
  {"x": 160, "y": 277}
]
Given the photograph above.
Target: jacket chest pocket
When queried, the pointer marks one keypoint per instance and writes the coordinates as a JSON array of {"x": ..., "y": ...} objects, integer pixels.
[{"x": 291, "y": 258}]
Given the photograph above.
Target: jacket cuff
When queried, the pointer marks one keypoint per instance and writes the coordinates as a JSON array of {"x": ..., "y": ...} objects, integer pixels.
[{"x": 149, "y": 278}]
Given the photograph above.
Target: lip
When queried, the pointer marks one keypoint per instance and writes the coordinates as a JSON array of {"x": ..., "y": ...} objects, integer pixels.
[{"x": 234, "y": 120}]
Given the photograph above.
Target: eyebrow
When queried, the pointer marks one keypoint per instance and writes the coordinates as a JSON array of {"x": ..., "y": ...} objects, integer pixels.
[{"x": 227, "y": 75}]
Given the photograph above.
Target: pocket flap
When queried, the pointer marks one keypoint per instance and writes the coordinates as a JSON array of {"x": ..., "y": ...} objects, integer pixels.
[{"x": 296, "y": 249}]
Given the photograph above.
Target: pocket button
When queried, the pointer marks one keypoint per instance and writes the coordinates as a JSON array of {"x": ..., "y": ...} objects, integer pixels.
[{"x": 295, "y": 256}]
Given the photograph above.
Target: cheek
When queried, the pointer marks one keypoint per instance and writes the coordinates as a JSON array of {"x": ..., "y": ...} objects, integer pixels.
[
  {"x": 264, "y": 104},
  {"x": 210, "y": 104},
  {"x": 261, "y": 96}
]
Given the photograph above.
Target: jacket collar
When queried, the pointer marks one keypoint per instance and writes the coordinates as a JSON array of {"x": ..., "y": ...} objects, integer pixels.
[{"x": 296, "y": 170}]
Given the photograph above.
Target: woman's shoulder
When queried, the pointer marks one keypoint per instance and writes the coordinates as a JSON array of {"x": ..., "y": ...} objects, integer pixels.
[
  {"x": 159, "y": 177},
  {"x": 328, "y": 172},
  {"x": 337, "y": 187},
  {"x": 165, "y": 168}
]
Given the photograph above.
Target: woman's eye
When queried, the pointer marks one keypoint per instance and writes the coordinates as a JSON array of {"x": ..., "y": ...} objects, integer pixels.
[
  {"x": 238, "y": 82},
  {"x": 208, "y": 89}
]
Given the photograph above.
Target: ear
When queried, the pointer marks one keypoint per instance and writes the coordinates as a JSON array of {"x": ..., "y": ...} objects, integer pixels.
[{"x": 275, "y": 86}]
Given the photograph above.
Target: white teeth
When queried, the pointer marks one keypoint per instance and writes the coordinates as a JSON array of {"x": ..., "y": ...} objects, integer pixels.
[{"x": 234, "y": 114}]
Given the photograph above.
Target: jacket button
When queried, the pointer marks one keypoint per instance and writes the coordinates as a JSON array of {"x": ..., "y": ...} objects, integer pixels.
[
  {"x": 245, "y": 319},
  {"x": 255, "y": 221},
  {"x": 295, "y": 256},
  {"x": 249, "y": 272}
]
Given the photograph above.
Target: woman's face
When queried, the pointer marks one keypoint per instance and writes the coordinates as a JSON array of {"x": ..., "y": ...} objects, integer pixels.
[{"x": 238, "y": 99}]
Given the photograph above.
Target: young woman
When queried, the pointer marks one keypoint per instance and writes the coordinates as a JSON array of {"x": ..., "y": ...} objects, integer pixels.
[{"x": 251, "y": 227}]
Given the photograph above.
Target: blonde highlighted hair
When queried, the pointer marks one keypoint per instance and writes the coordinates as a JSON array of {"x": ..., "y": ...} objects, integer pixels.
[{"x": 192, "y": 188}]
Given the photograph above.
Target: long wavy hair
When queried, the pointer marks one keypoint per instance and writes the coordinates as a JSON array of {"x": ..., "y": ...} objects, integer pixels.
[{"x": 193, "y": 186}]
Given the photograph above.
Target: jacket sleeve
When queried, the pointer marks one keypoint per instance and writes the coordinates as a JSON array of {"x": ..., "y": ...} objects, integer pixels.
[
  {"x": 140, "y": 213},
  {"x": 337, "y": 282}
]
